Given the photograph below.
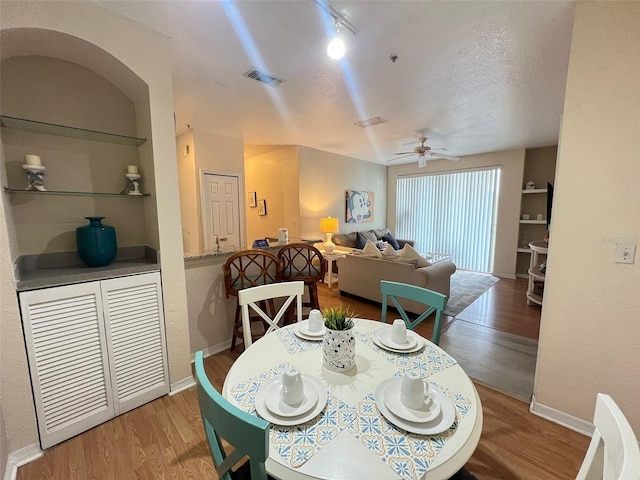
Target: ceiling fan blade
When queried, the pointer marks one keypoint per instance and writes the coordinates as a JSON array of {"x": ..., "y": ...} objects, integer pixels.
[
  {"x": 398, "y": 158},
  {"x": 404, "y": 153},
  {"x": 446, "y": 157}
]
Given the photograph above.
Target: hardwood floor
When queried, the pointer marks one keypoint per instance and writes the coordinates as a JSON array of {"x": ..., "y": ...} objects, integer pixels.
[{"x": 164, "y": 438}]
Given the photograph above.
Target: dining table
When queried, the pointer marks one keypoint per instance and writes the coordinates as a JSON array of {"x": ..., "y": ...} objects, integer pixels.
[{"x": 349, "y": 435}]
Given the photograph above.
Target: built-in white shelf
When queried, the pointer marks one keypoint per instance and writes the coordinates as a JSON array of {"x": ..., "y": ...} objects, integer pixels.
[
  {"x": 534, "y": 222},
  {"x": 65, "y": 131},
  {"x": 535, "y": 190}
]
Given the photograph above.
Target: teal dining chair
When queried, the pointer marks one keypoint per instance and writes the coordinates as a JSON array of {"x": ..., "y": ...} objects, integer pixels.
[
  {"x": 436, "y": 302},
  {"x": 249, "y": 435}
]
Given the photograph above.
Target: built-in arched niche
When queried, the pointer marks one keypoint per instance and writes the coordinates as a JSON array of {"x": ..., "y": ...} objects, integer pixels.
[{"x": 53, "y": 77}]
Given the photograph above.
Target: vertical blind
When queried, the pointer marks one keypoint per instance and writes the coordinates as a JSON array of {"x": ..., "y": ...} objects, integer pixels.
[{"x": 453, "y": 213}]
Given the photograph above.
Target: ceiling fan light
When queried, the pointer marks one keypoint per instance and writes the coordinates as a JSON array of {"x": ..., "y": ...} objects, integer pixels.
[{"x": 336, "y": 48}]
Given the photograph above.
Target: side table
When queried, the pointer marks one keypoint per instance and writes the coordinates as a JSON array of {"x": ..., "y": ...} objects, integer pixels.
[{"x": 329, "y": 277}]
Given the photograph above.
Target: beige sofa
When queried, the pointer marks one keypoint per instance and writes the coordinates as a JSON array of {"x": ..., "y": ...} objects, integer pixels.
[{"x": 360, "y": 275}]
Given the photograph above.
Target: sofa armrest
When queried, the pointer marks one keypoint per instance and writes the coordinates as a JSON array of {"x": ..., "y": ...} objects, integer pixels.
[{"x": 402, "y": 242}]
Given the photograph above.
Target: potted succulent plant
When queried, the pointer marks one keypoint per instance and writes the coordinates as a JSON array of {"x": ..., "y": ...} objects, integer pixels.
[{"x": 338, "y": 343}]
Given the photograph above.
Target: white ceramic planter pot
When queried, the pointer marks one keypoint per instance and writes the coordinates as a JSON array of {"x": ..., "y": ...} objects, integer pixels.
[{"x": 339, "y": 350}]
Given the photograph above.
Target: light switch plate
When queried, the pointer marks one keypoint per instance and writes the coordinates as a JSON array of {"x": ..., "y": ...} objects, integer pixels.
[{"x": 625, "y": 252}]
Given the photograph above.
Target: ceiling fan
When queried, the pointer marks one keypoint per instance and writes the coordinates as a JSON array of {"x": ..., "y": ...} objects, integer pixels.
[{"x": 424, "y": 153}]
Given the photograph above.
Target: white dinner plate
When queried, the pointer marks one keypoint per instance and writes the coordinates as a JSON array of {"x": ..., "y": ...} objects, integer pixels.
[
  {"x": 298, "y": 333},
  {"x": 274, "y": 402},
  {"x": 264, "y": 412},
  {"x": 420, "y": 415},
  {"x": 303, "y": 328},
  {"x": 441, "y": 423},
  {"x": 384, "y": 334},
  {"x": 419, "y": 342}
]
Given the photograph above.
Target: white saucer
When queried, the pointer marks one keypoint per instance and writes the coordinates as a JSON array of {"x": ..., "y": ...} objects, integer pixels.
[
  {"x": 264, "y": 412},
  {"x": 439, "y": 424},
  {"x": 303, "y": 327},
  {"x": 384, "y": 335},
  {"x": 421, "y": 415},
  {"x": 418, "y": 345},
  {"x": 298, "y": 333},
  {"x": 274, "y": 402}
]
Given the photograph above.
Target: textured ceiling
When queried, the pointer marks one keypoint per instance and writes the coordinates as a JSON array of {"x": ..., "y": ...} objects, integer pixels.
[{"x": 474, "y": 77}]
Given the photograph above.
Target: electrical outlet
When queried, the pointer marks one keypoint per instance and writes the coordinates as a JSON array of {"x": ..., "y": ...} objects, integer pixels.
[{"x": 625, "y": 252}]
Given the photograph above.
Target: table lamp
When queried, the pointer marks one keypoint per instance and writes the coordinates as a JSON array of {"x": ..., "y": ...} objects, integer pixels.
[{"x": 329, "y": 226}]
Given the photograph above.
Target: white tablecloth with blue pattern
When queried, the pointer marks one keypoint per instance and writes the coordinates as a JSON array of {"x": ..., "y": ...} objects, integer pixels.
[{"x": 350, "y": 439}]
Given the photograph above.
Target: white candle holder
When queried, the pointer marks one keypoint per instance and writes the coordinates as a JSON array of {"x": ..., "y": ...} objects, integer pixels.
[
  {"x": 35, "y": 180},
  {"x": 133, "y": 184}
]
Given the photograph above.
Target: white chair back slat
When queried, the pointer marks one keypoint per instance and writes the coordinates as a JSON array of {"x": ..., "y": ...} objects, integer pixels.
[
  {"x": 613, "y": 453},
  {"x": 251, "y": 297}
]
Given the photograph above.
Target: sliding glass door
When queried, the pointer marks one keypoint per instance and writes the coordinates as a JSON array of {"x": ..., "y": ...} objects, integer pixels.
[{"x": 451, "y": 212}]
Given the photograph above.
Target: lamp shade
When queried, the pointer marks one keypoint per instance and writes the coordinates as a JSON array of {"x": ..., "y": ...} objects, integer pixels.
[{"x": 329, "y": 225}]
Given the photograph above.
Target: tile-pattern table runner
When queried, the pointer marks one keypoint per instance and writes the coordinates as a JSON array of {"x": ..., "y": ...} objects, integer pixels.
[
  {"x": 407, "y": 454},
  {"x": 295, "y": 344},
  {"x": 427, "y": 361},
  {"x": 297, "y": 444}
]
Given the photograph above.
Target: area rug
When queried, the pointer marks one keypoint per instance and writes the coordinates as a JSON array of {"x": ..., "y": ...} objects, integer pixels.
[{"x": 465, "y": 288}]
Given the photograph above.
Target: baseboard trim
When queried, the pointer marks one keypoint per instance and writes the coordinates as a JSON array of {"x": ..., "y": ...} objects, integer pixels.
[
  {"x": 510, "y": 276},
  {"x": 212, "y": 350},
  {"x": 561, "y": 418},
  {"x": 523, "y": 275},
  {"x": 181, "y": 385},
  {"x": 21, "y": 457}
]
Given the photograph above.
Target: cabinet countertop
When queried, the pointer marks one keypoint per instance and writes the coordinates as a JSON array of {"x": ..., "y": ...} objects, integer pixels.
[
  {"x": 53, "y": 277},
  {"x": 56, "y": 269}
]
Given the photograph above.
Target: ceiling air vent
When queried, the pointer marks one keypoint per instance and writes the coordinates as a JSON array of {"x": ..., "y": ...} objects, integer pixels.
[
  {"x": 264, "y": 77},
  {"x": 371, "y": 122}
]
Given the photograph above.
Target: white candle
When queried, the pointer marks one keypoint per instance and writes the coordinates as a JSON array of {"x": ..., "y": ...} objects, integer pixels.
[
  {"x": 132, "y": 169},
  {"x": 33, "y": 160}
]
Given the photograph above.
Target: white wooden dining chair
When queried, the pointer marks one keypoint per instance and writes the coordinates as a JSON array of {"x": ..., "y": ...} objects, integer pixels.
[
  {"x": 613, "y": 453},
  {"x": 250, "y": 297}
]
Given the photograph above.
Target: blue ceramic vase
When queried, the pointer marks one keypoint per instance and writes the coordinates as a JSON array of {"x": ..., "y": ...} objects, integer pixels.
[{"x": 96, "y": 243}]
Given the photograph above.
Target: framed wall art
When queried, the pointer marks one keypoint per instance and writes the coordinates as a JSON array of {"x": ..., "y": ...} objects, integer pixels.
[
  {"x": 262, "y": 207},
  {"x": 252, "y": 199},
  {"x": 359, "y": 207}
]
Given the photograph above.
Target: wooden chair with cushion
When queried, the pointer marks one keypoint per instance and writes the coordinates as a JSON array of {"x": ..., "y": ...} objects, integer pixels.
[
  {"x": 436, "y": 302},
  {"x": 254, "y": 296},
  {"x": 303, "y": 262},
  {"x": 246, "y": 269},
  {"x": 248, "y": 434},
  {"x": 613, "y": 453}
]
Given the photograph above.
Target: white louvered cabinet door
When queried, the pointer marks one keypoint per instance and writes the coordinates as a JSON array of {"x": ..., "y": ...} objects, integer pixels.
[
  {"x": 66, "y": 346},
  {"x": 134, "y": 321}
]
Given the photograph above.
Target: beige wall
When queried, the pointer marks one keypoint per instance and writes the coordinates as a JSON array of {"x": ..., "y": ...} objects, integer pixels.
[
  {"x": 135, "y": 61},
  {"x": 512, "y": 165},
  {"x": 274, "y": 176},
  {"x": 68, "y": 94},
  {"x": 324, "y": 179},
  {"x": 210, "y": 313},
  {"x": 212, "y": 153},
  {"x": 590, "y": 331}
]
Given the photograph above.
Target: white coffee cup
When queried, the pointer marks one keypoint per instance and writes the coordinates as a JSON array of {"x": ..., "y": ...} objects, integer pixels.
[
  {"x": 399, "y": 331},
  {"x": 292, "y": 387},
  {"x": 315, "y": 320},
  {"x": 413, "y": 391}
]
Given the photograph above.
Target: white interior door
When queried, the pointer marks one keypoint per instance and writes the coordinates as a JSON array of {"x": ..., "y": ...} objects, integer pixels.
[{"x": 220, "y": 212}]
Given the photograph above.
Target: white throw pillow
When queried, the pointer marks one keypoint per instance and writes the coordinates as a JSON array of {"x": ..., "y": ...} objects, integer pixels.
[
  {"x": 389, "y": 250},
  {"x": 370, "y": 250},
  {"x": 409, "y": 252}
]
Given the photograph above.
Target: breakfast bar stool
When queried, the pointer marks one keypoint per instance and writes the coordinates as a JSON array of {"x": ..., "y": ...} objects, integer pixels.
[
  {"x": 303, "y": 262},
  {"x": 249, "y": 268}
]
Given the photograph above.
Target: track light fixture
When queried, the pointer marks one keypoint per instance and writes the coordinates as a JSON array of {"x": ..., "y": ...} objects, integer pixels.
[{"x": 336, "y": 48}]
